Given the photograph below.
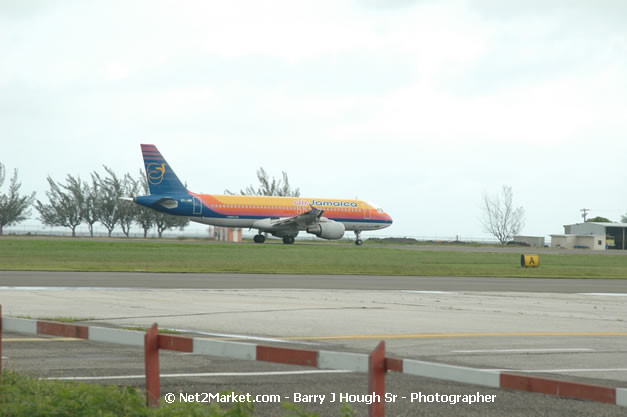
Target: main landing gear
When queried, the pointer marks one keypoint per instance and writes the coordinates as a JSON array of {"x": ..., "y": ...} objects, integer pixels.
[
  {"x": 260, "y": 238},
  {"x": 358, "y": 240}
]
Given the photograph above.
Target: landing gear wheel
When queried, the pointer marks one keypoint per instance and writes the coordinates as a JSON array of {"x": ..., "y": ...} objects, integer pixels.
[
  {"x": 358, "y": 240},
  {"x": 259, "y": 238},
  {"x": 288, "y": 240}
]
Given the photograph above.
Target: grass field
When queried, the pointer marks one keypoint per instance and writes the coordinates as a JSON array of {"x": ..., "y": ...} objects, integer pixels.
[
  {"x": 86, "y": 255},
  {"x": 26, "y": 396}
]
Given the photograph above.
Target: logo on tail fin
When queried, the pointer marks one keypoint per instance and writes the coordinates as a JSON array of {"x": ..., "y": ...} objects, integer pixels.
[{"x": 155, "y": 173}]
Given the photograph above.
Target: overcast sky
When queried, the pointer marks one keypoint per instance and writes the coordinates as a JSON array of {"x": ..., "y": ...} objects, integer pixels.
[{"x": 420, "y": 106}]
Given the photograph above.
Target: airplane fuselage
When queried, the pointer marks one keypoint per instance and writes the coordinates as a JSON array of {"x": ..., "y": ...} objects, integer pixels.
[
  {"x": 249, "y": 211},
  {"x": 327, "y": 218}
]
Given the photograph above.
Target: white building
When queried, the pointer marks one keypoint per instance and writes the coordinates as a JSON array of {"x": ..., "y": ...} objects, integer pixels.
[
  {"x": 535, "y": 241},
  {"x": 592, "y": 235},
  {"x": 567, "y": 241}
]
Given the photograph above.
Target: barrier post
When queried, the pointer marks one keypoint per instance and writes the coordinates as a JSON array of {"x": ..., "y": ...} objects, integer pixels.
[
  {"x": 151, "y": 352},
  {"x": 376, "y": 381}
]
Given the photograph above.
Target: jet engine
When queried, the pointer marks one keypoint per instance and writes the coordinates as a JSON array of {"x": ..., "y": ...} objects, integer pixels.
[{"x": 327, "y": 230}]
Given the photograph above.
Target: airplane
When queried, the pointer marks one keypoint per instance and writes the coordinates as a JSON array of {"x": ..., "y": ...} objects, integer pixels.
[{"x": 283, "y": 217}]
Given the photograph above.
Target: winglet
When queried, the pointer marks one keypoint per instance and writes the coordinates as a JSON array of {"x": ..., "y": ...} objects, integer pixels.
[{"x": 316, "y": 211}]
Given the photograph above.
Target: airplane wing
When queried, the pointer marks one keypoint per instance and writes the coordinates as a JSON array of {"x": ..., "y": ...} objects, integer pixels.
[{"x": 302, "y": 220}]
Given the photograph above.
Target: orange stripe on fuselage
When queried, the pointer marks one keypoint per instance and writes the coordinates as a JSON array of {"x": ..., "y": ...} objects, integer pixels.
[{"x": 262, "y": 206}]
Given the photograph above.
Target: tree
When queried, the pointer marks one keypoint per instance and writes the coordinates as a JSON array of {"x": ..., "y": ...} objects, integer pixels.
[
  {"x": 127, "y": 210},
  {"x": 165, "y": 221},
  {"x": 145, "y": 217},
  {"x": 269, "y": 186},
  {"x": 599, "y": 219},
  {"x": 108, "y": 193},
  {"x": 63, "y": 208},
  {"x": 86, "y": 196},
  {"x": 500, "y": 218},
  {"x": 13, "y": 206},
  {"x": 623, "y": 218}
]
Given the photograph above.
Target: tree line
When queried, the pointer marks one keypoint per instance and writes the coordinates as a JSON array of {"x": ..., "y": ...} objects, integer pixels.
[
  {"x": 100, "y": 200},
  {"x": 77, "y": 201}
]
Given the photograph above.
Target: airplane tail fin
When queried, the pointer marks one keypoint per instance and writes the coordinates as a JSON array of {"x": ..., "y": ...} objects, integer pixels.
[{"x": 161, "y": 178}]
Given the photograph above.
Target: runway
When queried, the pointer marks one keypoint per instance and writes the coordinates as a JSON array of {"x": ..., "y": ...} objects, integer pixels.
[
  {"x": 113, "y": 364},
  {"x": 563, "y": 328},
  {"x": 328, "y": 282}
]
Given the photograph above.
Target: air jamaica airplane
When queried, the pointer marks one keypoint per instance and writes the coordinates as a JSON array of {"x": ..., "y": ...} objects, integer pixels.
[{"x": 282, "y": 217}]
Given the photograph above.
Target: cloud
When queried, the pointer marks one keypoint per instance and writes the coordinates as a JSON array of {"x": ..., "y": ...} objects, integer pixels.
[
  {"x": 438, "y": 99},
  {"x": 20, "y": 9}
]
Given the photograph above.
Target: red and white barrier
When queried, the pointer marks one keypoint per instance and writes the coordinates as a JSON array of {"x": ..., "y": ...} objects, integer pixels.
[{"x": 376, "y": 364}]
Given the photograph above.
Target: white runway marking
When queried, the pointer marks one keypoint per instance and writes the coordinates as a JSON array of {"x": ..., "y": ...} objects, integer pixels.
[
  {"x": 40, "y": 288},
  {"x": 18, "y": 288},
  {"x": 210, "y": 374},
  {"x": 605, "y": 294},
  {"x": 524, "y": 350},
  {"x": 558, "y": 370},
  {"x": 247, "y": 337},
  {"x": 427, "y": 292}
]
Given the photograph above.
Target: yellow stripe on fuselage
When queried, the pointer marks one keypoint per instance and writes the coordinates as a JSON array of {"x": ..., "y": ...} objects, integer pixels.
[
  {"x": 289, "y": 201},
  {"x": 241, "y": 209}
]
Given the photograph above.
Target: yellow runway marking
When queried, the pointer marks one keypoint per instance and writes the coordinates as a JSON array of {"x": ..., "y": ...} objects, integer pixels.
[
  {"x": 452, "y": 335},
  {"x": 35, "y": 339}
]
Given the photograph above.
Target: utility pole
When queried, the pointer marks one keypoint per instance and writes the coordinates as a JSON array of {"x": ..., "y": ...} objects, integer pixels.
[{"x": 584, "y": 212}]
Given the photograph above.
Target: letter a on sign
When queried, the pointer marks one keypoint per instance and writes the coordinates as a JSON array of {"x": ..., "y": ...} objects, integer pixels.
[{"x": 530, "y": 261}]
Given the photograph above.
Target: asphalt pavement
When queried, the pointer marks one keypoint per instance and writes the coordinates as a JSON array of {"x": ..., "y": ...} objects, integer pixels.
[{"x": 103, "y": 363}]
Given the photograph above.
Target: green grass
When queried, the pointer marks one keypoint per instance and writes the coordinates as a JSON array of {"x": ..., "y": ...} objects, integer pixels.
[
  {"x": 145, "y": 329},
  {"x": 64, "y": 319},
  {"x": 85, "y": 255},
  {"x": 23, "y": 396}
]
